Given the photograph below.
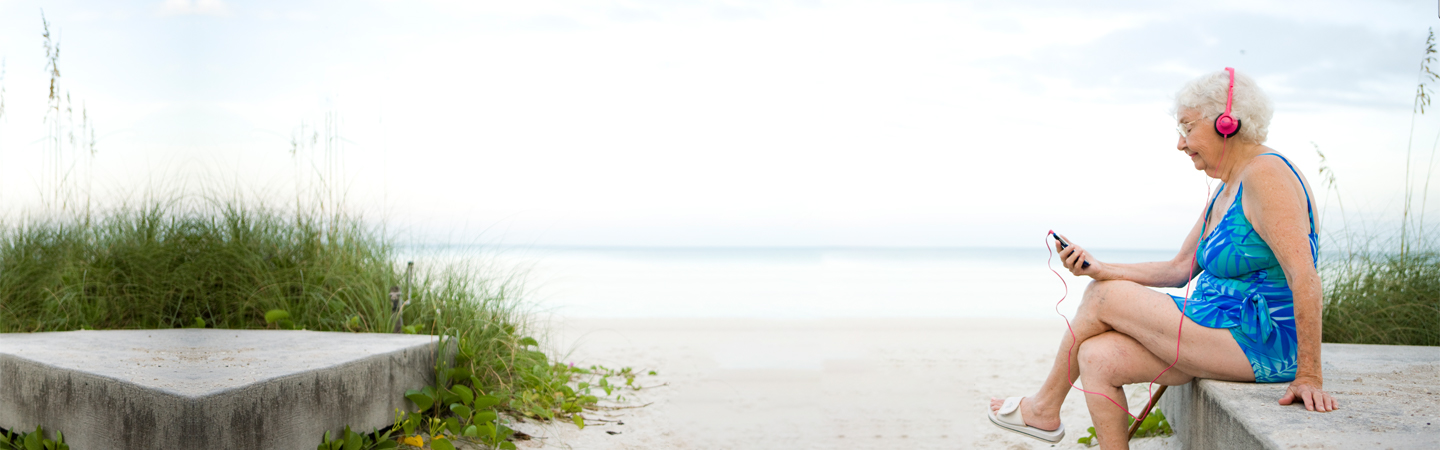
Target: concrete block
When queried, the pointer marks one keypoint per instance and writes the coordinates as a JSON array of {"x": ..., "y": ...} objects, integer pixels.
[
  {"x": 1389, "y": 398},
  {"x": 207, "y": 388}
]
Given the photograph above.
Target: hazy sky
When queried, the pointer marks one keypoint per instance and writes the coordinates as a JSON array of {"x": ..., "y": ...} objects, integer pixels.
[{"x": 729, "y": 123}]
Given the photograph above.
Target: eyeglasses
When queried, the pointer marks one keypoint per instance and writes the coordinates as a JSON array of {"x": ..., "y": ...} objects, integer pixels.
[{"x": 1184, "y": 128}]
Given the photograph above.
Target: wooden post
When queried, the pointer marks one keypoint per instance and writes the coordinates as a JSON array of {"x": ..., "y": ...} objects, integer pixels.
[
  {"x": 395, "y": 307},
  {"x": 1146, "y": 413},
  {"x": 397, "y": 304}
]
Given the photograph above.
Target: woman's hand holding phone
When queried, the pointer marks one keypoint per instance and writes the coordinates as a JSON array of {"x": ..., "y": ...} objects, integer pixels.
[{"x": 1076, "y": 259}]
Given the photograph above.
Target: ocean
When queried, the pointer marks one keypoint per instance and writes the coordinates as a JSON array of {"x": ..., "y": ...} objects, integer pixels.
[{"x": 790, "y": 283}]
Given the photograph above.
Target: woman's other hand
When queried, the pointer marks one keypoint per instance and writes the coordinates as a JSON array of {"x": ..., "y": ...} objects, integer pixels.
[
  {"x": 1074, "y": 258},
  {"x": 1308, "y": 390}
]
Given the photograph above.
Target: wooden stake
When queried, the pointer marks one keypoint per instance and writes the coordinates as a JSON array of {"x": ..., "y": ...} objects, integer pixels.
[{"x": 1146, "y": 413}]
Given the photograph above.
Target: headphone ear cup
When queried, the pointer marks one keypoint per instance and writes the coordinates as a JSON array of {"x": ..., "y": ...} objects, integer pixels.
[{"x": 1227, "y": 125}]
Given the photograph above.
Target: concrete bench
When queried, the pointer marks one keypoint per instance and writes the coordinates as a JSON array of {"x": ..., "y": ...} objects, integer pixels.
[
  {"x": 1389, "y": 398},
  {"x": 207, "y": 388}
]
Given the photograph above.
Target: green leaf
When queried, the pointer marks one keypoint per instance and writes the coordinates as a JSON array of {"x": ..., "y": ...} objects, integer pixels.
[
  {"x": 485, "y": 416},
  {"x": 276, "y": 315},
  {"x": 461, "y": 411},
  {"x": 471, "y": 431},
  {"x": 442, "y": 444},
  {"x": 386, "y": 444},
  {"x": 579, "y": 421},
  {"x": 485, "y": 431},
  {"x": 486, "y": 401},
  {"x": 1088, "y": 440},
  {"x": 507, "y": 445},
  {"x": 461, "y": 374},
  {"x": 352, "y": 440},
  {"x": 466, "y": 395},
  {"x": 411, "y": 424},
  {"x": 422, "y": 400},
  {"x": 447, "y": 397},
  {"x": 528, "y": 341},
  {"x": 199, "y": 323},
  {"x": 32, "y": 440}
]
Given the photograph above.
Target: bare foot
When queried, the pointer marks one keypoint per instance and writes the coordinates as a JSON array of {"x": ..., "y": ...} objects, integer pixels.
[{"x": 1038, "y": 417}]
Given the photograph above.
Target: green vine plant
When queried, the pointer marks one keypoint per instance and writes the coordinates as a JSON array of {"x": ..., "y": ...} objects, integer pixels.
[
  {"x": 1154, "y": 425},
  {"x": 350, "y": 440},
  {"x": 459, "y": 409},
  {"x": 32, "y": 441}
]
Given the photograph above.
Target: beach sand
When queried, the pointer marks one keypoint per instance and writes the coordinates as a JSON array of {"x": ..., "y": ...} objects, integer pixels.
[{"x": 814, "y": 384}]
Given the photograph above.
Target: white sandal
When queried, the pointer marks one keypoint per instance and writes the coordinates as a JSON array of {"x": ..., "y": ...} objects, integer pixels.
[{"x": 1009, "y": 418}]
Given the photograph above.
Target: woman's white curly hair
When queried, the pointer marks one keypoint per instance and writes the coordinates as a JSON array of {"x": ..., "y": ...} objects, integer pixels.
[{"x": 1207, "y": 95}]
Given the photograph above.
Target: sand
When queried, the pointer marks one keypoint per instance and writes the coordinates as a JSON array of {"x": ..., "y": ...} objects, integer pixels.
[{"x": 822, "y": 384}]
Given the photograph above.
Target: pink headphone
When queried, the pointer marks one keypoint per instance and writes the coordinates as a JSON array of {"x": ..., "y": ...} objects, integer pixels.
[{"x": 1227, "y": 125}]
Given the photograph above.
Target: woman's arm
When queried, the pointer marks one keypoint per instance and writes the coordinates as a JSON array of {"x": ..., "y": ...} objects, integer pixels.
[
  {"x": 1173, "y": 273},
  {"x": 1274, "y": 204}
]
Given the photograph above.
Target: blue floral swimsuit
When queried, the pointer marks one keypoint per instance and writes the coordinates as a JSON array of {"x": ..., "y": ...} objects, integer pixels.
[{"x": 1243, "y": 288}]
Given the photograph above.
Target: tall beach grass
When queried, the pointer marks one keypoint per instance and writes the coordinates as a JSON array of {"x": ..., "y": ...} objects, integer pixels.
[
  {"x": 179, "y": 262},
  {"x": 1383, "y": 298},
  {"x": 1387, "y": 290}
]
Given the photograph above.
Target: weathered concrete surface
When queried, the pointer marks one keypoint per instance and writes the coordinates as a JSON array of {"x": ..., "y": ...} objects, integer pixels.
[
  {"x": 206, "y": 388},
  {"x": 1389, "y": 398}
]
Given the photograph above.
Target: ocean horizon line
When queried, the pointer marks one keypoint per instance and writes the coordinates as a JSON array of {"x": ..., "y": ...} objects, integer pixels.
[{"x": 741, "y": 248}]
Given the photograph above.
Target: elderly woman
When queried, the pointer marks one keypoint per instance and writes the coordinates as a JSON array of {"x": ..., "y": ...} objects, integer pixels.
[{"x": 1254, "y": 314}]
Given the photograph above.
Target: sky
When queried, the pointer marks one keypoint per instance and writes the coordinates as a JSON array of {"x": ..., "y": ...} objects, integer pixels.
[{"x": 712, "y": 123}]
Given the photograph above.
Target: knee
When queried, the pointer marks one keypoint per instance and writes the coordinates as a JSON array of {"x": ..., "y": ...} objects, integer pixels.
[
  {"x": 1096, "y": 293},
  {"x": 1099, "y": 357}
]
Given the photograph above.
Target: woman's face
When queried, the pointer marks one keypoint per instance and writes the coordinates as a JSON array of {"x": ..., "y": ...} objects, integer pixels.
[{"x": 1200, "y": 142}]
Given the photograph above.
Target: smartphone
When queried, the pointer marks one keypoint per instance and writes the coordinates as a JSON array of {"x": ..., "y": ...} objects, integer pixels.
[{"x": 1063, "y": 245}]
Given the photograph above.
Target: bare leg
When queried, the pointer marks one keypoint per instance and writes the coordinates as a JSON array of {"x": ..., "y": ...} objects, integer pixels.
[
  {"x": 1148, "y": 317},
  {"x": 1109, "y": 361}
]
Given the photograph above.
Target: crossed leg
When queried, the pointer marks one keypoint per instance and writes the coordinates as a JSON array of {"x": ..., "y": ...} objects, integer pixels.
[{"x": 1127, "y": 333}]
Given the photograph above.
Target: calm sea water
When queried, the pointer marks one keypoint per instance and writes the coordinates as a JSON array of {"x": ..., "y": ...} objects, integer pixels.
[{"x": 789, "y": 283}]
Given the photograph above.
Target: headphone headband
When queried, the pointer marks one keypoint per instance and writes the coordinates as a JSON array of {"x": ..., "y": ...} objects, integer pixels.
[{"x": 1227, "y": 125}]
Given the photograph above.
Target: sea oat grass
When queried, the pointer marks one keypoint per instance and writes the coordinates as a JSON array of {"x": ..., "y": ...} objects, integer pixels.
[
  {"x": 1382, "y": 291},
  {"x": 230, "y": 264},
  {"x": 1383, "y": 299},
  {"x": 164, "y": 265},
  {"x": 224, "y": 264}
]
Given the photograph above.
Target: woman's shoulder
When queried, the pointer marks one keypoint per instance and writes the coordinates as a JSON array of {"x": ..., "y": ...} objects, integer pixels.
[
  {"x": 1271, "y": 170},
  {"x": 1270, "y": 182}
]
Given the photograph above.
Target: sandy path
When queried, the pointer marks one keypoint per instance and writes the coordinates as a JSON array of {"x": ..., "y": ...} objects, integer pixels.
[{"x": 825, "y": 384}]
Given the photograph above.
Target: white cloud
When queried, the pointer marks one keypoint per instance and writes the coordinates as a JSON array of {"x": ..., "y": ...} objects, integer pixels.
[{"x": 194, "y": 8}]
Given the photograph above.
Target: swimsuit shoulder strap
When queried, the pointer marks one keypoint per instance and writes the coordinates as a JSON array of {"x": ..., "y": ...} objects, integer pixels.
[
  {"x": 1308, "y": 209},
  {"x": 1208, "y": 209}
]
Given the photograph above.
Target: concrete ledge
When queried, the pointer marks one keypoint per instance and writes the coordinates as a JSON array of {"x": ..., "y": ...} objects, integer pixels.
[
  {"x": 1389, "y": 399},
  {"x": 206, "y": 388}
]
